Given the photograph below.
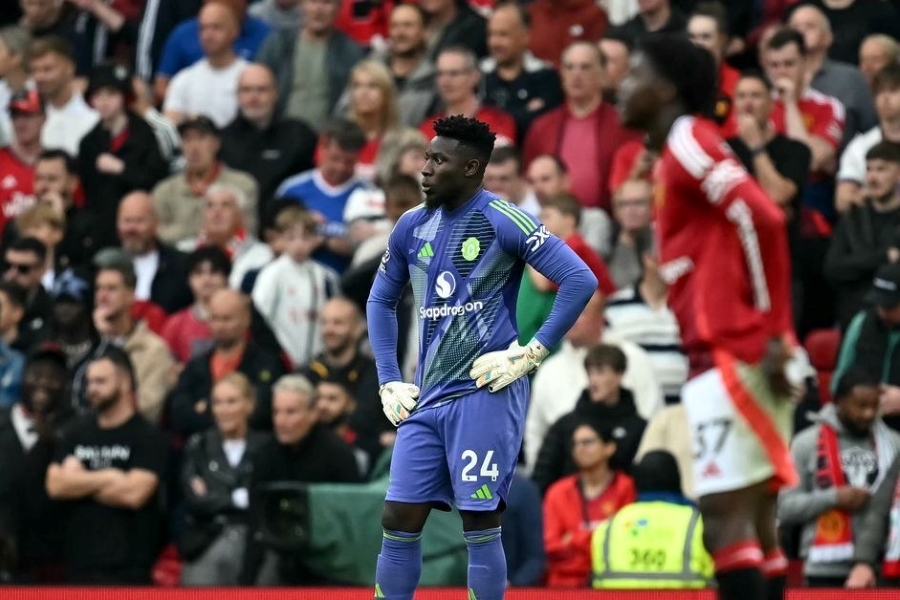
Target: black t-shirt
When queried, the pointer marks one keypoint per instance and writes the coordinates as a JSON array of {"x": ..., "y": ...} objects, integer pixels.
[
  {"x": 100, "y": 537},
  {"x": 791, "y": 159}
]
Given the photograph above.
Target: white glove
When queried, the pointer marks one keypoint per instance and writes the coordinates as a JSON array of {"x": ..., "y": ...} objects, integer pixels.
[
  {"x": 797, "y": 370},
  {"x": 398, "y": 400},
  {"x": 499, "y": 369}
]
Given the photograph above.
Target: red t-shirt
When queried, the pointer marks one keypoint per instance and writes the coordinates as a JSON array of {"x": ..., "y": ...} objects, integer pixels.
[
  {"x": 568, "y": 513},
  {"x": 500, "y": 122},
  {"x": 723, "y": 248},
  {"x": 186, "y": 335},
  {"x": 578, "y": 150},
  {"x": 605, "y": 282},
  {"x": 363, "y": 20},
  {"x": 623, "y": 163},
  {"x": 16, "y": 186}
]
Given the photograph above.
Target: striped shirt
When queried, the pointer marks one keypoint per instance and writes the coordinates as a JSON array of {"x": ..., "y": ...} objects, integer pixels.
[{"x": 656, "y": 331}]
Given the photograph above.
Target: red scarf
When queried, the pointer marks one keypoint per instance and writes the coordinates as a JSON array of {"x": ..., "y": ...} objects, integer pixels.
[{"x": 833, "y": 541}]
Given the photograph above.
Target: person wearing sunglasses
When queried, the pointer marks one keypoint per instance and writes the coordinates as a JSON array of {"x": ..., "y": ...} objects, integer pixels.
[{"x": 24, "y": 263}]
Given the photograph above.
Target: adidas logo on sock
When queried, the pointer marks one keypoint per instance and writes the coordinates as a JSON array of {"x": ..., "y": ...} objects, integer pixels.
[{"x": 483, "y": 493}]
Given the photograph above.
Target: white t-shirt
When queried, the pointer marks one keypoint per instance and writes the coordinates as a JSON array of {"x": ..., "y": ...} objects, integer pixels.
[
  {"x": 145, "y": 268},
  {"x": 202, "y": 90},
  {"x": 853, "y": 161},
  {"x": 65, "y": 126}
]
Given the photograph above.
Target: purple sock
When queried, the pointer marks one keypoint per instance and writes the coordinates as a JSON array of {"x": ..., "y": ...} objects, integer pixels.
[
  {"x": 399, "y": 565},
  {"x": 487, "y": 564}
]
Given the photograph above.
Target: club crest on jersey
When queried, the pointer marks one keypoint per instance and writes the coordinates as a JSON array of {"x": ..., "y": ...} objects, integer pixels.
[
  {"x": 537, "y": 239},
  {"x": 445, "y": 285},
  {"x": 470, "y": 249}
]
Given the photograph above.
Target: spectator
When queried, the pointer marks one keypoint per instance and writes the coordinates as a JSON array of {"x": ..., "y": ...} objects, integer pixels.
[
  {"x": 165, "y": 131},
  {"x": 632, "y": 205},
  {"x": 158, "y": 21},
  {"x": 805, "y": 115},
  {"x": 232, "y": 351},
  {"x": 868, "y": 235},
  {"x": 119, "y": 155},
  {"x": 325, "y": 191},
  {"x": 179, "y": 200},
  {"x": 401, "y": 193},
  {"x": 615, "y": 48},
  {"x": 17, "y": 161},
  {"x": 109, "y": 466},
  {"x": 73, "y": 331},
  {"x": 261, "y": 144},
  {"x": 870, "y": 342},
  {"x": 303, "y": 450},
  {"x": 342, "y": 360},
  {"x": 51, "y": 63},
  {"x": 405, "y": 57},
  {"x": 853, "y": 20},
  {"x": 655, "y": 16},
  {"x": 670, "y": 431},
  {"x": 44, "y": 19},
  {"x": 707, "y": 27},
  {"x": 875, "y": 53},
  {"x": 366, "y": 24},
  {"x": 278, "y": 14},
  {"x": 12, "y": 310},
  {"x": 598, "y": 489},
  {"x": 561, "y": 380},
  {"x": 322, "y": 54},
  {"x": 515, "y": 81},
  {"x": 523, "y": 533},
  {"x": 838, "y": 80},
  {"x": 583, "y": 133},
  {"x": 336, "y": 405},
  {"x": 14, "y": 76},
  {"x": 106, "y": 32},
  {"x": 112, "y": 317},
  {"x": 48, "y": 227},
  {"x": 215, "y": 480},
  {"x": 28, "y": 435},
  {"x": 454, "y": 23},
  {"x": 662, "y": 525},
  {"x": 223, "y": 227},
  {"x": 503, "y": 176},
  {"x": 852, "y": 172},
  {"x": 603, "y": 403},
  {"x": 187, "y": 332},
  {"x": 26, "y": 261},
  {"x": 639, "y": 314},
  {"x": 209, "y": 86},
  {"x": 160, "y": 269},
  {"x": 842, "y": 460},
  {"x": 12, "y": 363},
  {"x": 184, "y": 47},
  {"x": 559, "y": 25},
  {"x": 291, "y": 290},
  {"x": 457, "y": 82}
]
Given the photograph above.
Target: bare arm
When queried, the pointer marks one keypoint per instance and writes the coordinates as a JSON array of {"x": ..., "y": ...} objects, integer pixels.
[
  {"x": 846, "y": 195},
  {"x": 779, "y": 188},
  {"x": 64, "y": 483},
  {"x": 129, "y": 489}
]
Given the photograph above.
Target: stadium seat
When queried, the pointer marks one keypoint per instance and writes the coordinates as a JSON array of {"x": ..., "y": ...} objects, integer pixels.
[{"x": 822, "y": 345}]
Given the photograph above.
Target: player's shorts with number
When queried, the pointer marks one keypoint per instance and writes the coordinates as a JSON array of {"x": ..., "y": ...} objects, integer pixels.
[
  {"x": 462, "y": 453},
  {"x": 739, "y": 429}
]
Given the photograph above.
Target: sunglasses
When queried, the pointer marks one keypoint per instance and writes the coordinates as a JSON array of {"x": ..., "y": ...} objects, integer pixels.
[{"x": 21, "y": 268}]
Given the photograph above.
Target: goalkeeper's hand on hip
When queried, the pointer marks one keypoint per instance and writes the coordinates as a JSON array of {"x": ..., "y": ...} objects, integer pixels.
[
  {"x": 398, "y": 400},
  {"x": 496, "y": 370}
]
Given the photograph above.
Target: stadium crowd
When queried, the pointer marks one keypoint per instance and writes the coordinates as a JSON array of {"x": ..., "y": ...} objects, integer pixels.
[{"x": 196, "y": 196}]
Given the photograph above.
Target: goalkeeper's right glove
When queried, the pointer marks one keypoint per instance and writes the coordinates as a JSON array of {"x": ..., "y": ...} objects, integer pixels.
[{"x": 398, "y": 400}]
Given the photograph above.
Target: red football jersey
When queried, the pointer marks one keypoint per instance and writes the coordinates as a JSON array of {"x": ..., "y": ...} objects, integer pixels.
[
  {"x": 16, "y": 186},
  {"x": 723, "y": 248}
]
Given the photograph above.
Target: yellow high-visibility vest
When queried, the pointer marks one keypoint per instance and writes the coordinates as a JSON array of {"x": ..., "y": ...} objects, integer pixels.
[{"x": 651, "y": 545}]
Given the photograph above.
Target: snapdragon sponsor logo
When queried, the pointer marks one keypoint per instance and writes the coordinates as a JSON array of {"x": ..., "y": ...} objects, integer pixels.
[{"x": 439, "y": 312}]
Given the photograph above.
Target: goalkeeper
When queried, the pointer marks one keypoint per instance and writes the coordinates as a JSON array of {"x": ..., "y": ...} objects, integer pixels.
[{"x": 461, "y": 424}]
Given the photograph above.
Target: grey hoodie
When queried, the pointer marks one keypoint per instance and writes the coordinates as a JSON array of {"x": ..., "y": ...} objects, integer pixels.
[{"x": 865, "y": 465}]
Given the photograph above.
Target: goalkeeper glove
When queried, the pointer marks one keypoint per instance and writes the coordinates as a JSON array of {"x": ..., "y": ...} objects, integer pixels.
[
  {"x": 398, "y": 400},
  {"x": 499, "y": 369}
]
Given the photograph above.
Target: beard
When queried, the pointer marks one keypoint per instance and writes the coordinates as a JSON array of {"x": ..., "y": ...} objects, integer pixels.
[{"x": 103, "y": 403}]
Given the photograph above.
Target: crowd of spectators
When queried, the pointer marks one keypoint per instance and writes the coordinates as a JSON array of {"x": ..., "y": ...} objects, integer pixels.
[{"x": 194, "y": 199}]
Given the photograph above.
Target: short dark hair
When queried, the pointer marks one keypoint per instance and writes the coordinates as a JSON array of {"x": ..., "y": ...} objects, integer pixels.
[
  {"x": 603, "y": 432},
  {"x": 617, "y": 34},
  {"x": 854, "y": 377},
  {"x": 345, "y": 133},
  {"x": 567, "y": 204},
  {"x": 524, "y": 15},
  {"x": 471, "y": 133},
  {"x": 30, "y": 244},
  {"x": 887, "y": 79},
  {"x": 691, "y": 69},
  {"x": 606, "y": 355},
  {"x": 758, "y": 76},
  {"x": 58, "y": 154},
  {"x": 120, "y": 359},
  {"x": 785, "y": 36},
  {"x": 884, "y": 150},
  {"x": 215, "y": 256},
  {"x": 51, "y": 44},
  {"x": 504, "y": 154},
  {"x": 15, "y": 293},
  {"x": 715, "y": 11},
  {"x": 125, "y": 269}
]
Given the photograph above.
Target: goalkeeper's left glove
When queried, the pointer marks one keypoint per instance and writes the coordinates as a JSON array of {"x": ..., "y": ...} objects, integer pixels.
[{"x": 499, "y": 369}]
